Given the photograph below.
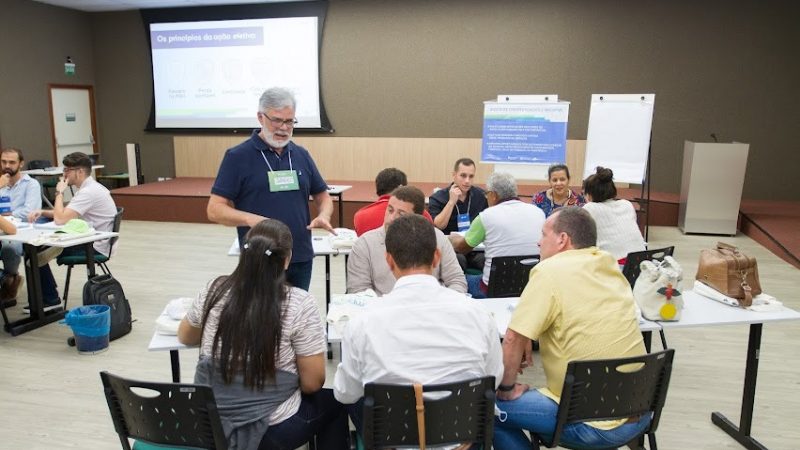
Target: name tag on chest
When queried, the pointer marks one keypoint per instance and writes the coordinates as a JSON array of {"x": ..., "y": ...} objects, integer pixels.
[{"x": 283, "y": 180}]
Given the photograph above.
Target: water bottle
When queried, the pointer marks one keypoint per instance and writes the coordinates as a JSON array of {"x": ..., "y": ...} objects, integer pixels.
[{"x": 5, "y": 205}]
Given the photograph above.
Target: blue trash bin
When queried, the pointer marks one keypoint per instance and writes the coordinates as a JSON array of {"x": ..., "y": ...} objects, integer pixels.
[{"x": 91, "y": 326}]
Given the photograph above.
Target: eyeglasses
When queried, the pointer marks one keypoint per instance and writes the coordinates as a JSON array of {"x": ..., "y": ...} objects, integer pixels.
[{"x": 277, "y": 123}]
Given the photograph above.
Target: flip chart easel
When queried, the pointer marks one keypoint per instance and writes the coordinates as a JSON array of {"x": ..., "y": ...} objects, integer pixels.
[{"x": 619, "y": 137}]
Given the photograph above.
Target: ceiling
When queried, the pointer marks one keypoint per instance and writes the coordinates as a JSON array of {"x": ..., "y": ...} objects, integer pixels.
[{"x": 123, "y": 5}]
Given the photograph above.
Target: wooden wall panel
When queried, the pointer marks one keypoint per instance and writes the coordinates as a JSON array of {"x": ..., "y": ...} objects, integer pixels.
[{"x": 361, "y": 158}]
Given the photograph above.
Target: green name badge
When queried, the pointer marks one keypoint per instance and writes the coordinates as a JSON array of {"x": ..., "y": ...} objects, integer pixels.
[{"x": 283, "y": 180}]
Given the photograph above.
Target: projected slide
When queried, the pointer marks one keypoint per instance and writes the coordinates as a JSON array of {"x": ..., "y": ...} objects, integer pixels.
[{"x": 210, "y": 74}]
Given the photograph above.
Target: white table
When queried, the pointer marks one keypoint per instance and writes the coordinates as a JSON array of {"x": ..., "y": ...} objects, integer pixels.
[
  {"x": 500, "y": 310},
  {"x": 161, "y": 342},
  {"x": 698, "y": 311},
  {"x": 52, "y": 171},
  {"x": 702, "y": 312},
  {"x": 31, "y": 239}
]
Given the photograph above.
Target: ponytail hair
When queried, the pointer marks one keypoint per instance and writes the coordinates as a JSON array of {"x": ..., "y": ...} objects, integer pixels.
[{"x": 248, "y": 336}]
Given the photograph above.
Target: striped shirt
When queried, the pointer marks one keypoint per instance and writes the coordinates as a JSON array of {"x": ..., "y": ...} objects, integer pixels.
[{"x": 303, "y": 334}]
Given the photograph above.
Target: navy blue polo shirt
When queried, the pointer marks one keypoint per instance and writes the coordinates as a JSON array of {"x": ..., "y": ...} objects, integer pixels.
[
  {"x": 475, "y": 201},
  {"x": 242, "y": 179}
]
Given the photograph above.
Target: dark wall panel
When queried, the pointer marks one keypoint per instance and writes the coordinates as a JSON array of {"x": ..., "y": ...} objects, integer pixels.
[{"x": 422, "y": 69}]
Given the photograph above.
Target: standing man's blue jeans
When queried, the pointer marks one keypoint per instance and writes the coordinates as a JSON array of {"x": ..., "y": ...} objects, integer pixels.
[
  {"x": 536, "y": 413},
  {"x": 299, "y": 274}
]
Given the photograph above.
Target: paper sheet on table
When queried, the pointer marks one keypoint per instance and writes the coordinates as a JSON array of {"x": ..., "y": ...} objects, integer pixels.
[
  {"x": 347, "y": 306},
  {"x": 761, "y": 303}
]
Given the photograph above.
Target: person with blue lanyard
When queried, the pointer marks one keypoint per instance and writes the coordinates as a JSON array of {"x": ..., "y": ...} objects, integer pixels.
[
  {"x": 454, "y": 208},
  {"x": 270, "y": 177}
]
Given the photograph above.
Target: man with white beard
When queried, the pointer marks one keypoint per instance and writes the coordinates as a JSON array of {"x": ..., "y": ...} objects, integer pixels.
[{"x": 270, "y": 177}]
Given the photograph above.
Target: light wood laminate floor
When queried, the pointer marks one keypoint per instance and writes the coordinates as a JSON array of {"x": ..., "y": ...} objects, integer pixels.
[{"x": 51, "y": 397}]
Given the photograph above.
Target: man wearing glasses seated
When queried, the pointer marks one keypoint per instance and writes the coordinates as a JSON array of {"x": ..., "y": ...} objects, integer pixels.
[
  {"x": 92, "y": 202},
  {"x": 270, "y": 177}
]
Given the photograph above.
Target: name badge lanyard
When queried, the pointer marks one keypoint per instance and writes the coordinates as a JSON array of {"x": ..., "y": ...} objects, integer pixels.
[
  {"x": 463, "y": 220},
  {"x": 270, "y": 165},
  {"x": 458, "y": 212},
  {"x": 281, "y": 180}
]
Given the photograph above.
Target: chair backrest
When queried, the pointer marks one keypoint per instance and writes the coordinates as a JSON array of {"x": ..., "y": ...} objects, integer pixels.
[
  {"x": 509, "y": 275},
  {"x": 115, "y": 228},
  {"x": 174, "y": 414},
  {"x": 454, "y": 413},
  {"x": 611, "y": 389},
  {"x": 631, "y": 268},
  {"x": 39, "y": 164}
]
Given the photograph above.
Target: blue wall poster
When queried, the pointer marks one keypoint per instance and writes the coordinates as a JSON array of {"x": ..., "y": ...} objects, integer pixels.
[{"x": 526, "y": 133}]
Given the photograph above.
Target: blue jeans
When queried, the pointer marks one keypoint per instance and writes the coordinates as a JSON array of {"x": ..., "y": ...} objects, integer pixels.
[
  {"x": 474, "y": 286},
  {"x": 536, "y": 413},
  {"x": 49, "y": 291},
  {"x": 299, "y": 274},
  {"x": 11, "y": 254},
  {"x": 319, "y": 414}
]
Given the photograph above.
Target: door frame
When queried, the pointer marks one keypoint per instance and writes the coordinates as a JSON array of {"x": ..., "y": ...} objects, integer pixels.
[{"x": 85, "y": 87}]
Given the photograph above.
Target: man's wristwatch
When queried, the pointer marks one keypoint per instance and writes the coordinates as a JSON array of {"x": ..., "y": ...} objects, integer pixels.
[{"x": 506, "y": 387}]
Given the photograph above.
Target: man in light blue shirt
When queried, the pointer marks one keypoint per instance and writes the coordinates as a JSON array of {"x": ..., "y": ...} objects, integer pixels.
[{"x": 26, "y": 196}]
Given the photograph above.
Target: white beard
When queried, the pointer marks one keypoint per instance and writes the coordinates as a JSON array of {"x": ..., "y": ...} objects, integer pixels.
[{"x": 275, "y": 143}]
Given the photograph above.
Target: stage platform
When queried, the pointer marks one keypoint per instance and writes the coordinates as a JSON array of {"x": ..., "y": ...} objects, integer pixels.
[{"x": 773, "y": 224}]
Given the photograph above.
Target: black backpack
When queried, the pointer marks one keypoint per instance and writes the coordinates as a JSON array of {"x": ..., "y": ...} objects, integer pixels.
[{"x": 105, "y": 290}]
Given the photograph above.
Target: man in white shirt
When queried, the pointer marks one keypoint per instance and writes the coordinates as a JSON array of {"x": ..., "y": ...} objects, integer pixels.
[
  {"x": 92, "y": 203},
  {"x": 420, "y": 332},
  {"x": 366, "y": 266},
  {"x": 508, "y": 227}
]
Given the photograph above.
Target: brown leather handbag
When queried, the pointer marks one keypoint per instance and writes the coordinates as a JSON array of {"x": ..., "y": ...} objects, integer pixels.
[{"x": 730, "y": 272}]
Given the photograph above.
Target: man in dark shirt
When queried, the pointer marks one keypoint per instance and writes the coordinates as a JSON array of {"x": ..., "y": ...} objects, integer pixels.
[
  {"x": 455, "y": 207},
  {"x": 269, "y": 176}
]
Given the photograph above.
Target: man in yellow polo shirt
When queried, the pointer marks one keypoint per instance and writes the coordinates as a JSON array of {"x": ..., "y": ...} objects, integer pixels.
[{"x": 578, "y": 306}]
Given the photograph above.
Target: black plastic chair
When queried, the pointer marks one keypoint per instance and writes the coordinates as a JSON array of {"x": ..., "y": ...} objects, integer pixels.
[
  {"x": 39, "y": 164},
  {"x": 611, "y": 389},
  {"x": 173, "y": 414},
  {"x": 631, "y": 268},
  {"x": 99, "y": 260},
  {"x": 454, "y": 413},
  {"x": 509, "y": 275}
]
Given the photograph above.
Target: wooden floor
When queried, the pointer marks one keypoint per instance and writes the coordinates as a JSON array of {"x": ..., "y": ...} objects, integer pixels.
[{"x": 51, "y": 397}]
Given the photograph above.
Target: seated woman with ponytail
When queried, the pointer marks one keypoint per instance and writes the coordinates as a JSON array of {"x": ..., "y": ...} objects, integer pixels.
[
  {"x": 262, "y": 346},
  {"x": 617, "y": 230}
]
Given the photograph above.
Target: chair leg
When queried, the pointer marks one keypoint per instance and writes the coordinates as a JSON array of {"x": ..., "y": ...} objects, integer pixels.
[
  {"x": 663, "y": 339},
  {"x": 5, "y": 317},
  {"x": 104, "y": 268},
  {"x": 652, "y": 438},
  {"x": 66, "y": 285}
]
